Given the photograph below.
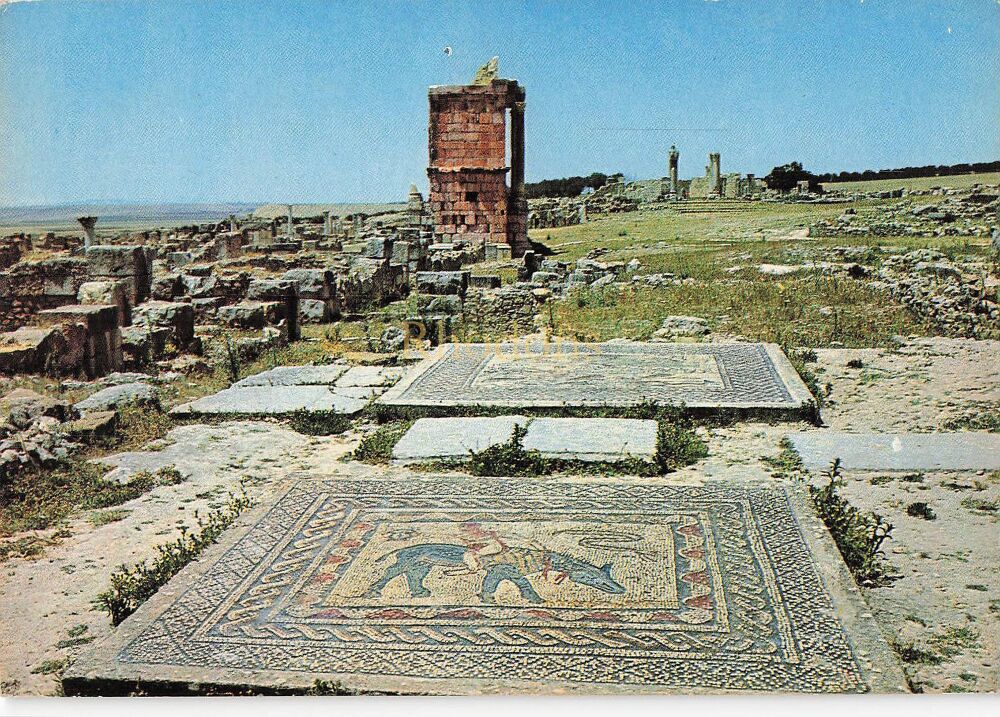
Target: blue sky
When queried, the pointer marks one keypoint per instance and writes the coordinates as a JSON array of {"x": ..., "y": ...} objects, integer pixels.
[{"x": 321, "y": 101}]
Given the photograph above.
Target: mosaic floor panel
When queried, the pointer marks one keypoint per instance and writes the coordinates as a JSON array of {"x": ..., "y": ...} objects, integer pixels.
[
  {"x": 708, "y": 376},
  {"x": 448, "y": 585}
]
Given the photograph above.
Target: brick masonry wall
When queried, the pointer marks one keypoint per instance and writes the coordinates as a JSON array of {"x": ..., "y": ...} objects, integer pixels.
[{"x": 469, "y": 197}]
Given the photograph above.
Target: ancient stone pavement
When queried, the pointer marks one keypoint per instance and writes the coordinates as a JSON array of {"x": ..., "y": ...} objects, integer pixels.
[
  {"x": 393, "y": 582},
  {"x": 386, "y": 579}
]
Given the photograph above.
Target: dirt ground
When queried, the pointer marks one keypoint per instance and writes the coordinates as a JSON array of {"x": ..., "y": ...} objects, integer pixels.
[{"x": 942, "y": 613}]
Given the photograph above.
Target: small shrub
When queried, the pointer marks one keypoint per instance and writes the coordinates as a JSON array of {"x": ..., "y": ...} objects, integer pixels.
[
  {"x": 859, "y": 536},
  {"x": 329, "y": 687},
  {"x": 508, "y": 459},
  {"x": 677, "y": 445},
  {"x": 50, "y": 667},
  {"x": 318, "y": 423},
  {"x": 855, "y": 363},
  {"x": 131, "y": 586},
  {"x": 921, "y": 510},
  {"x": 377, "y": 446},
  {"x": 807, "y": 355},
  {"x": 981, "y": 505}
]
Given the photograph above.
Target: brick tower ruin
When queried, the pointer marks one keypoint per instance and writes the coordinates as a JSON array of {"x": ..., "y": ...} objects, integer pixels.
[{"x": 469, "y": 195}]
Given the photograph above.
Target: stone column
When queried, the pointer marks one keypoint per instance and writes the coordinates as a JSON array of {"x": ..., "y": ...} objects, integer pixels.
[
  {"x": 517, "y": 149},
  {"x": 88, "y": 230},
  {"x": 291, "y": 226},
  {"x": 328, "y": 225},
  {"x": 674, "y": 156},
  {"x": 517, "y": 212},
  {"x": 715, "y": 174}
]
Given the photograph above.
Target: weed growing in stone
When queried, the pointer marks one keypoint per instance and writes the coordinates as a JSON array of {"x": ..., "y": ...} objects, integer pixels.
[
  {"x": 859, "y": 536},
  {"x": 377, "y": 446},
  {"x": 508, "y": 459},
  {"x": 318, "y": 423},
  {"x": 131, "y": 586},
  {"x": 105, "y": 517}
]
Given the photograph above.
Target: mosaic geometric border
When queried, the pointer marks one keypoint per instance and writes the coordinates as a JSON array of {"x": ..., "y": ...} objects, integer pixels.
[
  {"x": 754, "y": 609},
  {"x": 566, "y": 373}
]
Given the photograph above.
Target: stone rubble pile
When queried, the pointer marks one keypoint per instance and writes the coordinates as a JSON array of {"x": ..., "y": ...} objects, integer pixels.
[
  {"x": 955, "y": 299},
  {"x": 968, "y": 214}
]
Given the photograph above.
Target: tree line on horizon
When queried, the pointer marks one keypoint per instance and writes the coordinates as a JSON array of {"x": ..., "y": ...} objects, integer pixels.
[
  {"x": 782, "y": 178},
  {"x": 929, "y": 170}
]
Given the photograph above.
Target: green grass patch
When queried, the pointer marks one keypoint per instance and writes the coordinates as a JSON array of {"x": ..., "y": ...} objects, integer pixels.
[
  {"x": 36, "y": 500},
  {"x": 131, "y": 586},
  {"x": 677, "y": 445},
  {"x": 983, "y": 506},
  {"x": 784, "y": 312},
  {"x": 105, "y": 517},
  {"x": 318, "y": 423},
  {"x": 377, "y": 446}
]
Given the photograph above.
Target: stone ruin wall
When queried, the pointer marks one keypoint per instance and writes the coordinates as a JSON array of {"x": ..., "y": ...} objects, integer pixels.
[{"x": 30, "y": 287}]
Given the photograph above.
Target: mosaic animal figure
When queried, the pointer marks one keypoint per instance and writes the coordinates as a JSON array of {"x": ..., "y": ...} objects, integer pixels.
[{"x": 512, "y": 563}]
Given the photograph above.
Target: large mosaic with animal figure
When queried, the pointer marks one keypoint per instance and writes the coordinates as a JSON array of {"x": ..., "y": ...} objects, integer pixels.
[{"x": 460, "y": 585}]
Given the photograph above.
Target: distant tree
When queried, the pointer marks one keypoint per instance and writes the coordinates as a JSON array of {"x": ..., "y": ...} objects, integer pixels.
[
  {"x": 786, "y": 177},
  {"x": 565, "y": 187}
]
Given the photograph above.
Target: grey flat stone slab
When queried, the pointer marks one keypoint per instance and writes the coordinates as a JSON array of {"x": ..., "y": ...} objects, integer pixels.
[
  {"x": 119, "y": 395},
  {"x": 592, "y": 439},
  {"x": 899, "y": 451},
  {"x": 742, "y": 376},
  {"x": 371, "y": 376},
  {"x": 451, "y": 439},
  {"x": 582, "y": 439},
  {"x": 449, "y": 584},
  {"x": 296, "y": 376},
  {"x": 271, "y": 401}
]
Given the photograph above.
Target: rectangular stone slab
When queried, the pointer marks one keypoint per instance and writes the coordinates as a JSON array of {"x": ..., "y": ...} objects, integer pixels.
[
  {"x": 592, "y": 439},
  {"x": 296, "y": 376},
  {"x": 451, "y": 584},
  {"x": 754, "y": 377},
  {"x": 271, "y": 401},
  {"x": 581, "y": 439},
  {"x": 451, "y": 439},
  {"x": 899, "y": 451}
]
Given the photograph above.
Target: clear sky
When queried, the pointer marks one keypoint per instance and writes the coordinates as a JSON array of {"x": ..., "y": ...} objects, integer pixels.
[{"x": 322, "y": 101}]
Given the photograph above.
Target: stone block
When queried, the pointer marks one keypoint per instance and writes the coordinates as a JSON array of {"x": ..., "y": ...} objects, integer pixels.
[
  {"x": 442, "y": 282},
  {"x": 31, "y": 349},
  {"x": 129, "y": 263},
  {"x": 177, "y": 316},
  {"x": 92, "y": 427},
  {"x": 93, "y": 338},
  {"x": 244, "y": 315},
  {"x": 111, "y": 292},
  {"x": 592, "y": 439},
  {"x": 899, "y": 451},
  {"x": 296, "y": 376},
  {"x": 272, "y": 401},
  {"x": 282, "y": 291},
  {"x": 115, "y": 397}
]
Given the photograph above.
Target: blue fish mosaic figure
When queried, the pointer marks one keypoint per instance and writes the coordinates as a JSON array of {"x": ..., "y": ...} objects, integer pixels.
[{"x": 511, "y": 563}]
